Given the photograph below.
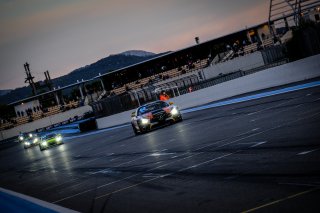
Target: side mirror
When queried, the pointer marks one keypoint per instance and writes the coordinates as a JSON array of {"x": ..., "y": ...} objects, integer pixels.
[
  {"x": 171, "y": 103},
  {"x": 133, "y": 114}
]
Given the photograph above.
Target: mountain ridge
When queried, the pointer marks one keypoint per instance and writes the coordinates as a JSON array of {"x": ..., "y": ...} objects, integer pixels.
[
  {"x": 102, "y": 66},
  {"x": 5, "y": 91},
  {"x": 140, "y": 53}
]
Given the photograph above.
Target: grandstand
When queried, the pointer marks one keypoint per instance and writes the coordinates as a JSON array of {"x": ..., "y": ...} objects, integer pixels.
[{"x": 185, "y": 65}]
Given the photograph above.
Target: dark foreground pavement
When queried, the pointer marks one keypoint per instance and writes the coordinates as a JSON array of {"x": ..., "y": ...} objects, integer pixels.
[{"x": 262, "y": 155}]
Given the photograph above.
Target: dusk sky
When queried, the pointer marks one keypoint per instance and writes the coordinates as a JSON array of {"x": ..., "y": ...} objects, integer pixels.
[{"x": 62, "y": 35}]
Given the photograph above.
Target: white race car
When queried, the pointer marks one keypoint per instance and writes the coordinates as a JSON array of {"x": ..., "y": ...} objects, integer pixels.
[
  {"x": 154, "y": 114},
  {"x": 29, "y": 140}
]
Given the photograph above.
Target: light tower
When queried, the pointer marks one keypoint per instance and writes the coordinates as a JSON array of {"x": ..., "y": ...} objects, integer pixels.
[{"x": 29, "y": 78}]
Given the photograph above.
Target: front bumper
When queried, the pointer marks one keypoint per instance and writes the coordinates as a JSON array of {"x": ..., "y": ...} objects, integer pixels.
[
  {"x": 154, "y": 123},
  {"x": 29, "y": 144}
]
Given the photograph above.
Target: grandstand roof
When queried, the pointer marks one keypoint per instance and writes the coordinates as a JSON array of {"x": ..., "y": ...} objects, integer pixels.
[
  {"x": 183, "y": 49},
  {"x": 134, "y": 65}
]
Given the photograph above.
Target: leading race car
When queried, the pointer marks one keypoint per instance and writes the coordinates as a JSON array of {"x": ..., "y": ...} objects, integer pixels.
[
  {"x": 154, "y": 114},
  {"x": 29, "y": 140},
  {"x": 50, "y": 139}
]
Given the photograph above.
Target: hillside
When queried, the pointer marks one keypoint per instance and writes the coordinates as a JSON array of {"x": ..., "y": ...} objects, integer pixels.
[
  {"x": 4, "y": 92},
  {"x": 110, "y": 63}
]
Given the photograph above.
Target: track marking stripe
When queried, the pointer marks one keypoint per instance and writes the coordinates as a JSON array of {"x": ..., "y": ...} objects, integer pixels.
[
  {"x": 280, "y": 200},
  {"x": 307, "y": 152},
  {"x": 255, "y": 96},
  {"x": 165, "y": 175},
  {"x": 258, "y": 144}
]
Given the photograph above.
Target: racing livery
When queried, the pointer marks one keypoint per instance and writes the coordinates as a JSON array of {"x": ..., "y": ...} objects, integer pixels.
[
  {"x": 154, "y": 114},
  {"x": 50, "y": 139}
]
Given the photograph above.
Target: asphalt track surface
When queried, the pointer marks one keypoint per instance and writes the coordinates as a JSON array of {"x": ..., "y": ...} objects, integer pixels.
[{"x": 261, "y": 155}]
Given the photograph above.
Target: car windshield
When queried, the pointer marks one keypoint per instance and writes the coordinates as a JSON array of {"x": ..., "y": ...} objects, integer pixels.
[
  {"x": 49, "y": 136},
  {"x": 152, "y": 107}
]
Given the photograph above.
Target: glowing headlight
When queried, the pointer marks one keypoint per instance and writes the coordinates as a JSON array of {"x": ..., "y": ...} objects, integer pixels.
[
  {"x": 26, "y": 143},
  {"x": 21, "y": 138},
  {"x": 44, "y": 143},
  {"x": 30, "y": 135},
  {"x": 35, "y": 140},
  {"x": 58, "y": 138},
  {"x": 144, "y": 121},
  {"x": 174, "y": 111}
]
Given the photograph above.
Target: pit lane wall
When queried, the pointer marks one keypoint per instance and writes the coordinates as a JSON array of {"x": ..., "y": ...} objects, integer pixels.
[
  {"x": 300, "y": 70},
  {"x": 44, "y": 122}
]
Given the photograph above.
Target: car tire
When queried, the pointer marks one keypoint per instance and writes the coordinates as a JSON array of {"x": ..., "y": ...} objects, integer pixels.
[
  {"x": 135, "y": 131},
  {"x": 145, "y": 130},
  {"x": 179, "y": 119}
]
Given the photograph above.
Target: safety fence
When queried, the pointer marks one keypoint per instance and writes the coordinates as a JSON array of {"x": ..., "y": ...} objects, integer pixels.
[
  {"x": 133, "y": 99},
  {"x": 273, "y": 56}
]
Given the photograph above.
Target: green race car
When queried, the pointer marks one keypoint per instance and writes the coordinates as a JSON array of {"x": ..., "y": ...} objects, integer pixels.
[{"x": 50, "y": 139}]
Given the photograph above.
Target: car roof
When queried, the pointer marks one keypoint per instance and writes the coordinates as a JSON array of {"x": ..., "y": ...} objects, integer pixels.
[
  {"x": 49, "y": 133},
  {"x": 153, "y": 102},
  {"x": 150, "y": 103}
]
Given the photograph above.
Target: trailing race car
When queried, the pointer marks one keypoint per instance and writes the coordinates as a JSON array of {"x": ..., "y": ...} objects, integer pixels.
[
  {"x": 50, "y": 139},
  {"x": 154, "y": 114},
  {"x": 29, "y": 140},
  {"x": 21, "y": 137}
]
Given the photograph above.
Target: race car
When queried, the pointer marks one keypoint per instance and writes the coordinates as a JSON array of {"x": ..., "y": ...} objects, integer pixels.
[
  {"x": 29, "y": 140},
  {"x": 50, "y": 139},
  {"x": 154, "y": 114},
  {"x": 21, "y": 137}
]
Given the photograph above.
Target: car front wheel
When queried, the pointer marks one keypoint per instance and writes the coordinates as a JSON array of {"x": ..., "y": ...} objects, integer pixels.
[{"x": 135, "y": 131}]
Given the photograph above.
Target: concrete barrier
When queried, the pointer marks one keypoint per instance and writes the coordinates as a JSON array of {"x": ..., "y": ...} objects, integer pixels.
[
  {"x": 303, "y": 69},
  {"x": 44, "y": 122},
  {"x": 284, "y": 74},
  {"x": 114, "y": 120},
  {"x": 15, "y": 202}
]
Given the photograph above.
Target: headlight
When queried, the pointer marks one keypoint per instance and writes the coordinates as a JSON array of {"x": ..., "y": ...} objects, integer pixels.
[
  {"x": 35, "y": 140},
  {"x": 174, "y": 111},
  {"x": 30, "y": 135},
  {"x": 44, "y": 143},
  {"x": 21, "y": 138},
  {"x": 58, "y": 138},
  {"x": 144, "y": 121},
  {"x": 26, "y": 143}
]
